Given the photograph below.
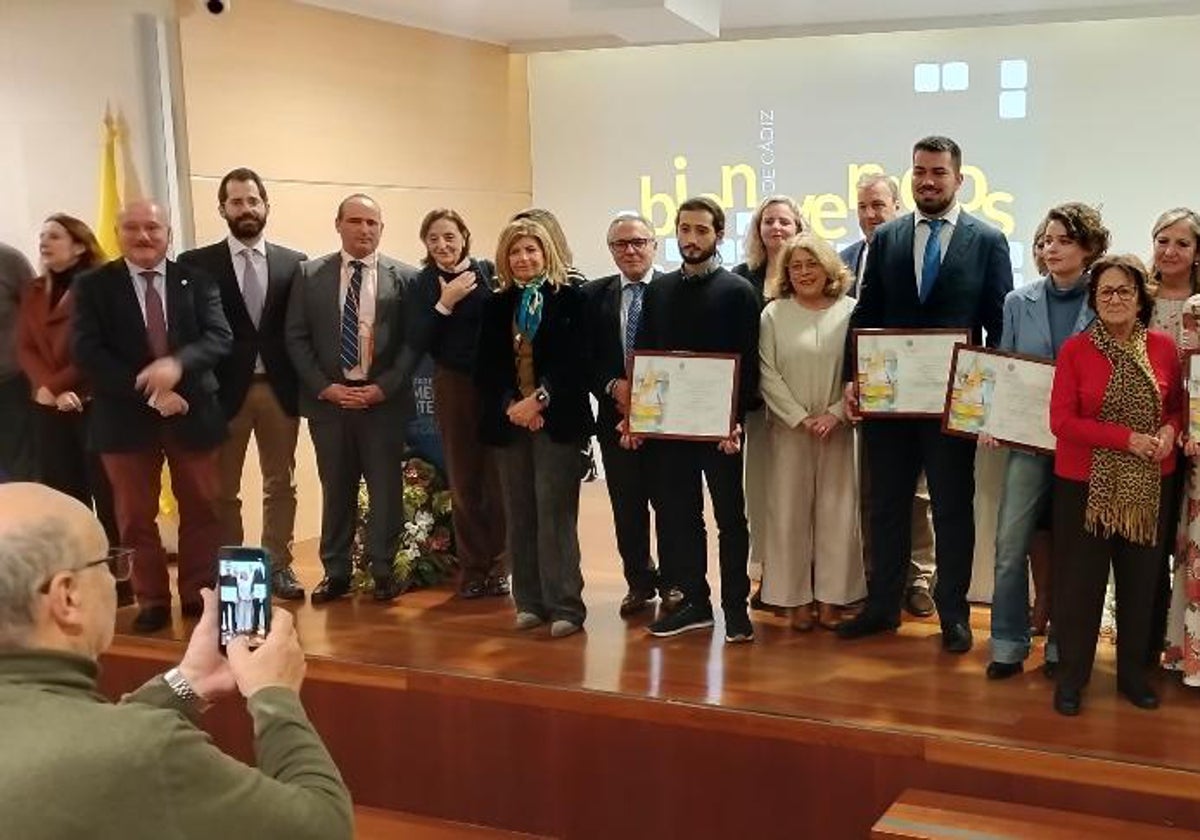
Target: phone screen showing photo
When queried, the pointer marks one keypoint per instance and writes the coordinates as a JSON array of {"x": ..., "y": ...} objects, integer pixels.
[{"x": 245, "y": 599}]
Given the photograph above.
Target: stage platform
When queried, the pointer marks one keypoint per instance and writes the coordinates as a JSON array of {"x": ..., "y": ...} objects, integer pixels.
[{"x": 436, "y": 706}]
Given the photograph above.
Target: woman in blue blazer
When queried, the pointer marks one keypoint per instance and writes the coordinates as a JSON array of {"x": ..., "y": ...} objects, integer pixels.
[{"x": 1038, "y": 318}]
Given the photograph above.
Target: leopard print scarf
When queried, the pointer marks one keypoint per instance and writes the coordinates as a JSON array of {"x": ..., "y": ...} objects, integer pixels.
[{"x": 1123, "y": 491}]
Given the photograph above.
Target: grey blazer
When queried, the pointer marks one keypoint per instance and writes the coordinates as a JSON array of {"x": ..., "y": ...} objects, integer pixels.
[
  {"x": 312, "y": 335},
  {"x": 1027, "y": 321}
]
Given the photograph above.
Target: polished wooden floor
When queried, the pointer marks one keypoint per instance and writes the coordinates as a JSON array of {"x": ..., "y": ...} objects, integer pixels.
[{"x": 899, "y": 683}]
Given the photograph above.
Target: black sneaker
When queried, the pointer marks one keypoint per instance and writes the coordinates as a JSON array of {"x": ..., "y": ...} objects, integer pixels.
[
  {"x": 738, "y": 627},
  {"x": 688, "y": 617}
]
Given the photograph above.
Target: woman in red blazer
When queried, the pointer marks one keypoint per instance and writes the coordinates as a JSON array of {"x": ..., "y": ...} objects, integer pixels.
[
  {"x": 68, "y": 248},
  {"x": 1116, "y": 409}
]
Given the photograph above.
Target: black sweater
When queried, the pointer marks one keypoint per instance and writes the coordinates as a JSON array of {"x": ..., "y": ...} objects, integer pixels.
[
  {"x": 450, "y": 339},
  {"x": 713, "y": 313}
]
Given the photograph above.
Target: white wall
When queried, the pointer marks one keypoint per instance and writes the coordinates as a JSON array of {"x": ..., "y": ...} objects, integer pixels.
[
  {"x": 60, "y": 62},
  {"x": 1112, "y": 119}
]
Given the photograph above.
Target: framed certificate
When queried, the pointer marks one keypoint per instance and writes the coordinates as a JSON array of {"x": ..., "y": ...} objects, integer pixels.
[
  {"x": 1191, "y": 379},
  {"x": 688, "y": 396},
  {"x": 903, "y": 373},
  {"x": 1006, "y": 395}
]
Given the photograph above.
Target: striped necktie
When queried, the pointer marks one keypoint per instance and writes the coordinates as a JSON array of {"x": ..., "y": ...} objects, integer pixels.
[
  {"x": 633, "y": 315},
  {"x": 349, "y": 342}
]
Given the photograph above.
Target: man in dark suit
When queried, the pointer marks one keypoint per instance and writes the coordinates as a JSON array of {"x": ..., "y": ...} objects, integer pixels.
[
  {"x": 257, "y": 383},
  {"x": 345, "y": 335},
  {"x": 702, "y": 308},
  {"x": 879, "y": 202},
  {"x": 938, "y": 267},
  {"x": 614, "y": 306},
  {"x": 147, "y": 334}
]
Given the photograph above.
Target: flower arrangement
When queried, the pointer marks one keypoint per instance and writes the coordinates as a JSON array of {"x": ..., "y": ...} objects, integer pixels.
[{"x": 426, "y": 553}]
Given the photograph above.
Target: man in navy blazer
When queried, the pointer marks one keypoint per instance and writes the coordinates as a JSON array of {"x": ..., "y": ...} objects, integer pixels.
[
  {"x": 937, "y": 267},
  {"x": 147, "y": 334},
  {"x": 609, "y": 301},
  {"x": 257, "y": 383}
]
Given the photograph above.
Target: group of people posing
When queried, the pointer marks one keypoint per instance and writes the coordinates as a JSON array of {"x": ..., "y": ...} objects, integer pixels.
[{"x": 144, "y": 359}]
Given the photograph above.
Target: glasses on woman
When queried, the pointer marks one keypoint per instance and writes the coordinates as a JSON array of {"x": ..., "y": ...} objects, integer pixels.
[
  {"x": 1121, "y": 293},
  {"x": 119, "y": 561}
]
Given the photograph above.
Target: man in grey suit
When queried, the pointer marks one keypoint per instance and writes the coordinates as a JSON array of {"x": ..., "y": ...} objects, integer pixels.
[
  {"x": 879, "y": 202},
  {"x": 345, "y": 336},
  {"x": 938, "y": 267}
]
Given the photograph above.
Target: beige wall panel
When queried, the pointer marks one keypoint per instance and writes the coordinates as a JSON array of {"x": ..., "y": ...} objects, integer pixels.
[{"x": 305, "y": 94}]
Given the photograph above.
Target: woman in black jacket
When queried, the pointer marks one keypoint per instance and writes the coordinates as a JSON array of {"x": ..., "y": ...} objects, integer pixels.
[
  {"x": 450, "y": 294},
  {"x": 531, "y": 371}
]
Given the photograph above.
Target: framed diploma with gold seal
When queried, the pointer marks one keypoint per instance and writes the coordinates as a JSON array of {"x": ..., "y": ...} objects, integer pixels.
[
  {"x": 903, "y": 373},
  {"x": 687, "y": 396},
  {"x": 1005, "y": 395}
]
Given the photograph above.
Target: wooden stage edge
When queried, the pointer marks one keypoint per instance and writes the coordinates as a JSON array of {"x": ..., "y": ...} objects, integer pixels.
[{"x": 563, "y": 762}]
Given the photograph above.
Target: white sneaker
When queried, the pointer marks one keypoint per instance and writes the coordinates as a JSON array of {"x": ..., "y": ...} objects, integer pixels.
[{"x": 527, "y": 621}]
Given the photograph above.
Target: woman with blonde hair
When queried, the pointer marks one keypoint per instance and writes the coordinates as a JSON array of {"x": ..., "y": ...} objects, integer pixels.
[
  {"x": 775, "y": 221},
  {"x": 813, "y": 543},
  {"x": 531, "y": 368}
]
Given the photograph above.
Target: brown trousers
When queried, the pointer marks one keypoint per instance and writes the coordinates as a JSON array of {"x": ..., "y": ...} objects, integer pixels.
[
  {"x": 136, "y": 479},
  {"x": 478, "y": 505},
  {"x": 275, "y": 434}
]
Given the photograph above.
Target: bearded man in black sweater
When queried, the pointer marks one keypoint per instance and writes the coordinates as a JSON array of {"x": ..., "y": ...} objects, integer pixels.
[{"x": 702, "y": 308}]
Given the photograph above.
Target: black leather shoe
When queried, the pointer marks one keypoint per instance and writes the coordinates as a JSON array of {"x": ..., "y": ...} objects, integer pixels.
[
  {"x": 635, "y": 601},
  {"x": 957, "y": 638},
  {"x": 865, "y": 624},
  {"x": 194, "y": 609},
  {"x": 918, "y": 602},
  {"x": 330, "y": 589},
  {"x": 1139, "y": 695},
  {"x": 1067, "y": 701},
  {"x": 387, "y": 588},
  {"x": 284, "y": 585},
  {"x": 672, "y": 599},
  {"x": 1003, "y": 670},
  {"x": 151, "y": 619}
]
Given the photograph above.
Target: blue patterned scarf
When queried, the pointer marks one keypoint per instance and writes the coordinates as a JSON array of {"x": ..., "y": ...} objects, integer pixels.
[{"x": 529, "y": 308}]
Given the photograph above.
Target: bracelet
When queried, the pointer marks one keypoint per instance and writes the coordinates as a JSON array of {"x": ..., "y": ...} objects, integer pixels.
[{"x": 178, "y": 683}]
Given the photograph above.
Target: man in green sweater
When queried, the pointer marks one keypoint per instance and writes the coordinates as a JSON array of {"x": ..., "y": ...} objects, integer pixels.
[{"x": 75, "y": 765}]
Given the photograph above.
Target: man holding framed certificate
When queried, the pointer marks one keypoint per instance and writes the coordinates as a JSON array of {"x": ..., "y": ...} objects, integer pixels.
[
  {"x": 936, "y": 269},
  {"x": 695, "y": 372}
]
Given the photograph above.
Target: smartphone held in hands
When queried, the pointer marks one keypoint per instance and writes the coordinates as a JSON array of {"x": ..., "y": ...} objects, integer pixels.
[{"x": 244, "y": 593}]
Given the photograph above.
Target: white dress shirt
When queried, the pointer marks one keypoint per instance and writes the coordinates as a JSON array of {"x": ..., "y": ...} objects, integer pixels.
[
  {"x": 366, "y": 305},
  {"x": 139, "y": 286},
  {"x": 258, "y": 256},
  {"x": 922, "y": 236}
]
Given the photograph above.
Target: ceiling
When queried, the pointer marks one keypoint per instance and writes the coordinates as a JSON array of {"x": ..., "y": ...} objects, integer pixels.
[{"x": 537, "y": 25}]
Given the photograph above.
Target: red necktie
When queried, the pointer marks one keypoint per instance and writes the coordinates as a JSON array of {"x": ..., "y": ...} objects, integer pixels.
[{"x": 156, "y": 321}]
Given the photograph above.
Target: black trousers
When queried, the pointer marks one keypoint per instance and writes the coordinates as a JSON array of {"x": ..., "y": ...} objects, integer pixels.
[
  {"x": 629, "y": 478},
  {"x": 16, "y": 437},
  {"x": 62, "y": 461},
  {"x": 897, "y": 451},
  {"x": 352, "y": 446},
  {"x": 1176, "y": 488},
  {"x": 679, "y": 467},
  {"x": 1080, "y": 575}
]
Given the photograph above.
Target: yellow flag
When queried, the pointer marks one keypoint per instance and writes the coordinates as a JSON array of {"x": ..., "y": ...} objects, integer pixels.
[{"x": 110, "y": 197}]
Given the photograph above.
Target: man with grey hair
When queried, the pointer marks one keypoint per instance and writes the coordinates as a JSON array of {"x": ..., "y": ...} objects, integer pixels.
[
  {"x": 613, "y": 305},
  {"x": 879, "y": 202},
  {"x": 16, "y": 443},
  {"x": 148, "y": 771}
]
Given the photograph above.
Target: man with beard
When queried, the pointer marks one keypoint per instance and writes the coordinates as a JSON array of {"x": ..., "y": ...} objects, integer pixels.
[
  {"x": 702, "y": 308},
  {"x": 257, "y": 381},
  {"x": 879, "y": 202},
  {"x": 937, "y": 267}
]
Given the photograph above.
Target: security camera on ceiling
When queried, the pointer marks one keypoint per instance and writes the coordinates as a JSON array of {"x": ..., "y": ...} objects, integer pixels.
[{"x": 215, "y": 7}]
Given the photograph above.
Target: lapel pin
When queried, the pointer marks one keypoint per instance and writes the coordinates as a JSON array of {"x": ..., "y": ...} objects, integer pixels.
[{"x": 182, "y": 282}]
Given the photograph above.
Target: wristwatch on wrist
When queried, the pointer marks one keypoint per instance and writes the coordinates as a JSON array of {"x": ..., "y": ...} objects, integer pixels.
[
  {"x": 178, "y": 683},
  {"x": 542, "y": 396}
]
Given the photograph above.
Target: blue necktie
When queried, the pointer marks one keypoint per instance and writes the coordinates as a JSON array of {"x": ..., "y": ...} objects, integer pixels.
[
  {"x": 931, "y": 263},
  {"x": 350, "y": 317},
  {"x": 633, "y": 315}
]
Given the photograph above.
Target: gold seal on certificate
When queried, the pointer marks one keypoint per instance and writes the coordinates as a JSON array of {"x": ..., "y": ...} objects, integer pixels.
[
  {"x": 903, "y": 373},
  {"x": 1005, "y": 395},
  {"x": 690, "y": 396}
]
